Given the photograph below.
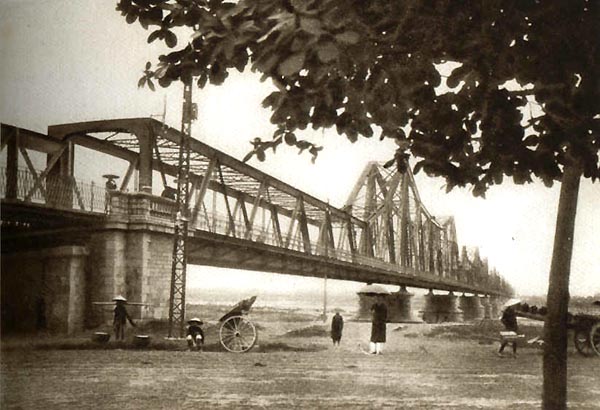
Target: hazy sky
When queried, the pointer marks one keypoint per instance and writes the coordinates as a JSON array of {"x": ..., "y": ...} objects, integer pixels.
[{"x": 68, "y": 61}]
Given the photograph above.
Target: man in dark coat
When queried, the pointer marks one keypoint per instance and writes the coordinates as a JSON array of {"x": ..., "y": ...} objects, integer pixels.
[
  {"x": 378, "y": 326},
  {"x": 121, "y": 317},
  {"x": 337, "y": 324}
]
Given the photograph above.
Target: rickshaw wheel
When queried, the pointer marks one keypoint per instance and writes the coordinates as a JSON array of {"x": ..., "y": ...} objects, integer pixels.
[
  {"x": 595, "y": 338},
  {"x": 581, "y": 338},
  {"x": 237, "y": 334}
]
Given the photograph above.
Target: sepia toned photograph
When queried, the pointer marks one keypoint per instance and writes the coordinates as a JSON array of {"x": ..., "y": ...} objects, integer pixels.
[{"x": 300, "y": 204}]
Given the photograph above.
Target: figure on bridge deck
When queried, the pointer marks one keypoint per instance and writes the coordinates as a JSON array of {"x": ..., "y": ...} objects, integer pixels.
[
  {"x": 337, "y": 324},
  {"x": 110, "y": 185},
  {"x": 378, "y": 325},
  {"x": 121, "y": 317},
  {"x": 195, "y": 334}
]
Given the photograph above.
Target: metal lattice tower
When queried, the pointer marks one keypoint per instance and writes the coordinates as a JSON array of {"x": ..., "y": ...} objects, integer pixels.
[{"x": 179, "y": 265}]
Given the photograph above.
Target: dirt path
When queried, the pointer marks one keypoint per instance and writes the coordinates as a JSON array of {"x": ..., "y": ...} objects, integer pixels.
[{"x": 415, "y": 372}]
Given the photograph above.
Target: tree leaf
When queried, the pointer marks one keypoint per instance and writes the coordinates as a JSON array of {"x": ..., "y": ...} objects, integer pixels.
[
  {"x": 202, "y": 79},
  {"x": 265, "y": 64},
  {"x": 161, "y": 70},
  {"x": 151, "y": 85},
  {"x": 164, "y": 82},
  {"x": 248, "y": 156},
  {"x": 311, "y": 25},
  {"x": 297, "y": 44},
  {"x": 390, "y": 163},
  {"x": 290, "y": 138},
  {"x": 348, "y": 37},
  {"x": 196, "y": 34},
  {"x": 229, "y": 46},
  {"x": 272, "y": 100},
  {"x": 142, "y": 82},
  {"x": 279, "y": 27},
  {"x": 327, "y": 52},
  {"x": 292, "y": 64},
  {"x": 154, "y": 35},
  {"x": 131, "y": 18},
  {"x": 170, "y": 39}
]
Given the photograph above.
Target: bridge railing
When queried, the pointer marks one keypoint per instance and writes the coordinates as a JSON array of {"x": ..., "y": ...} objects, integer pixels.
[{"x": 62, "y": 192}]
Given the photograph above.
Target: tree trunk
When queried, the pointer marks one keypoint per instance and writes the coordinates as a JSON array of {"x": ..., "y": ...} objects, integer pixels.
[{"x": 554, "y": 396}]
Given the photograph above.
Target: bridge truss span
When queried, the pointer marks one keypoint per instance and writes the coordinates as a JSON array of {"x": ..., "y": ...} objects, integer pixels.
[{"x": 383, "y": 234}]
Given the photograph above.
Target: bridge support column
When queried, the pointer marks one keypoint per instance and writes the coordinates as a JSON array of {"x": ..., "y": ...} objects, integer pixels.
[
  {"x": 487, "y": 307},
  {"x": 471, "y": 307},
  {"x": 441, "y": 308},
  {"x": 494, "y": 307},
  {"x": 132, "y": 255},
  {"x": 44, "y": 290},
  {"x": 135, "y": 264},
  {"x": 364, "y": 306},
  {"x": 398, "y": 303}
]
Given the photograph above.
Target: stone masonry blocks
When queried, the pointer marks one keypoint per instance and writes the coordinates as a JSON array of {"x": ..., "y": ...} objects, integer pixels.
[{"x": 45, "y": 289}]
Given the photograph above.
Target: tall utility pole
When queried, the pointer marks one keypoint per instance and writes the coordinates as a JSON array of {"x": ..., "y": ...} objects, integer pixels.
[
  {"x": 179, "y": 265},
  {"x": 325, "y": 298}
]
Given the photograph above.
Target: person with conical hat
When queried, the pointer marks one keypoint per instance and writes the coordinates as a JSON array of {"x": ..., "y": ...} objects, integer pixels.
[
  {"x": 121, "y": 317},
  {"x": 509, "y": 320},
  {"x": 195, "y": 334}
]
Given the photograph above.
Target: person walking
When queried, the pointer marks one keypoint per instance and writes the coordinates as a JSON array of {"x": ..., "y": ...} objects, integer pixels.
[
  {"x": 121, "y": 317},
  {"x": 509, "y": 320},
  {"x": 337, "y": 324},
  {"x": 378, "y": 325}
]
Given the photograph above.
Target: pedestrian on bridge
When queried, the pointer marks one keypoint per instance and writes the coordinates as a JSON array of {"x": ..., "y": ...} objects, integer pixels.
[
  {"x": 110, "y": 186},
  {"x": 121, "y": 317},
  {"x": 337, "y": 324},
  {"x": 378, "y": 325}
]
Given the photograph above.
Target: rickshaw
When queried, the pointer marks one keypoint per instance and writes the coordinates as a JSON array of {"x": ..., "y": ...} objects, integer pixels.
[
  {"x": 585, "y": 326},
  {"x": 237, "y": 333}
]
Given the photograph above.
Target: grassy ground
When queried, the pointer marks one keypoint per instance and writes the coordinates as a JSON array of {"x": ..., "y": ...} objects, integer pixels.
[{"x": 293, "y": 366}]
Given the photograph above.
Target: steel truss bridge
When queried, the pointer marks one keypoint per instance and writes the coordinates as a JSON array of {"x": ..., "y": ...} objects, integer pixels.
[{"x": 240, "y": 217}]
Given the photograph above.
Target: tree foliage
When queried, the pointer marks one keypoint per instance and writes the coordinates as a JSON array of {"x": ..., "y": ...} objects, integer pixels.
[{"x": 524, "y": 89}]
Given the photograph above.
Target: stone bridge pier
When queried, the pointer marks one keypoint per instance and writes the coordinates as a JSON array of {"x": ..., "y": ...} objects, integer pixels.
[
  {"x": 399, "y": 306},
  {"x": 132, "y": 256},
  {"x": 441, "y": 308},
  {"x": 44, "y": 290},
  {"x": 471, "y": 307},
  {"x": 491, "y": 307},
  {"x": 52, "y": 288},
  {"x": 397, "y": 303}
]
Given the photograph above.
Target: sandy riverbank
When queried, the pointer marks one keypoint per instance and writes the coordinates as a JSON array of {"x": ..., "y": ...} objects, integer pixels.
[{"x": 423, "y": 367}]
